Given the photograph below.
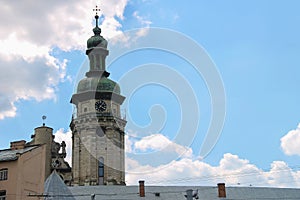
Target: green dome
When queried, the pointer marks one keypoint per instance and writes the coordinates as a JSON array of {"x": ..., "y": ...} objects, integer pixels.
[
  {"x": 98, "y": 85},
  {"x": 96, "y": 41}
]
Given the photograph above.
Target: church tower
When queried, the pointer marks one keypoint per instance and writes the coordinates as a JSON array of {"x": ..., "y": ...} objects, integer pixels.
[{"x": 98, "y": 127}]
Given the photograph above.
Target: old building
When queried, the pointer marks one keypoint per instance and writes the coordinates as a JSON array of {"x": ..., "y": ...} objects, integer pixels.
[
  {"x": 22, "y": 170},
  {"x": 25, "y": 166},
  {"x": 55, "y": 152},
  {"x": 98, "y": 128},
  {"x": 98, "y": 156}
]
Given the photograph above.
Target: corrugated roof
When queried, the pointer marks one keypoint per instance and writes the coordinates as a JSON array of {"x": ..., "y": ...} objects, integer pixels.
[
  {"x": 11, "y": 155},
  {"x": 178, "y": 192}
]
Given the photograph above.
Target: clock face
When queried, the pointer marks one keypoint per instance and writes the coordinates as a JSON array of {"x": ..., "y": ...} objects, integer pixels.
[{"x": 100, "y": 106}]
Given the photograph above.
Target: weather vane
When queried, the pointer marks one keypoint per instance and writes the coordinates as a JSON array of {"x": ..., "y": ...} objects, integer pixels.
[{"x": 96, "y": 9}]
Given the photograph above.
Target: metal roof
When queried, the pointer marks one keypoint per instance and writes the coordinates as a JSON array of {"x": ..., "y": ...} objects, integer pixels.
[
  {"x": 11, "y": 155},
  {"x": 178, "y": 192},
  {"x": 55, "y": 188}
]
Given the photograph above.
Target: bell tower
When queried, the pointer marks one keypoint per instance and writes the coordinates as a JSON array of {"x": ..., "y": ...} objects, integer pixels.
[{"x": 98, "y": 156}]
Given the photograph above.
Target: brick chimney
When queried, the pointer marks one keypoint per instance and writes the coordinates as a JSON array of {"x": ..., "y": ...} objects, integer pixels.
[
  {"x": 221, "y": 190},
  {"x": 17, "y": 145},
  {"x": 142, "y": 188}
]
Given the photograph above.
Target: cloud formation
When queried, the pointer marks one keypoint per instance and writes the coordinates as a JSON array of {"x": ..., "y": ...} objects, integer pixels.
[
  {"x": 187, "y": 170},
  {"x": 232, "y": 170},
  {"x": 29, "y": 33},
  {"x": 291, "y": 141},
  {"x": 159, "y": 142}
]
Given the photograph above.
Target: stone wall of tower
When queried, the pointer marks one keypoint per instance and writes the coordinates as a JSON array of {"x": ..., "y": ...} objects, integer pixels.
[
  {"x": 88, "y": 148},
  {"x": 97, "y": 129},
  {"x": 44, "y": 135},
  {"x": 54, "y": 159}
]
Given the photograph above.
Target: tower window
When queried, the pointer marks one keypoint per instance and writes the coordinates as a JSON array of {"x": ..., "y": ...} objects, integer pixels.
[
  {"x": 99, "y": 132},
  {"x": 101, "y": 167},
  {"x": 3, "y": 174},
  {"x": 85, "y": 110},
  {"x": 2, "y": 194}
]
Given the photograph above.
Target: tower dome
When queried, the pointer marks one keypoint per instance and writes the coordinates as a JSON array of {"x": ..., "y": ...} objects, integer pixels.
[
  {"x": 96, "y": 40},
  {"x": 97, "y": 84}
]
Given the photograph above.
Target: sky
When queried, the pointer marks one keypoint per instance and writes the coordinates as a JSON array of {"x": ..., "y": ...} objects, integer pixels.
[{"x": 211, "y": 86}]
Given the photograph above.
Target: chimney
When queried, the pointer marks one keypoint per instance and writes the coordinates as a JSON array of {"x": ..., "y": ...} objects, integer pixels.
[
  {"x": 17, "y": 145},
  {"x": 221, "y": 190},
  {"x": 142, "y": 188}
]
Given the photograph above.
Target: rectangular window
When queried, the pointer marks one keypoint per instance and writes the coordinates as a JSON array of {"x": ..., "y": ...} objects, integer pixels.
[
  {"x": 2, "y": 194},
  {"x": 101, "y": 167},
  {"x": 3, "y": 174}
]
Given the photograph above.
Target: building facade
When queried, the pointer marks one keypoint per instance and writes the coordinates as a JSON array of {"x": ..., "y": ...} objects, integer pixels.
[
  {"x": 55, "y": 153},
  {"x": 22, "y": 171},
  {"x": 98, "y": 156},
  {"x": 24, "y": 167}
]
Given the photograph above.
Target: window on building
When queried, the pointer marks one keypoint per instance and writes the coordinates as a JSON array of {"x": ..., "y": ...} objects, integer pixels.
[
  {"x": 3, "y": 174},
  {"x": 2, "y": 194},
  {"x": 101, "y": 167}
]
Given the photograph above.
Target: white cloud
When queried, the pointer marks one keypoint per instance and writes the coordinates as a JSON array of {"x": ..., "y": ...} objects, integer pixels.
[
  {"x": 30, "y": 31},
  {"x": 282, "y": 175},
  {"x": 291, "y": 141},
  {"x": 61, "y": 135},
  {"x": 232, "y": 170},
  {"x": 20, "y": 79},
  {"x": 159, "y": 142},
  {"x": 128, "y": 145},
  {"x": 8, "y": 109},
  {"x": 141, "y": 19}
]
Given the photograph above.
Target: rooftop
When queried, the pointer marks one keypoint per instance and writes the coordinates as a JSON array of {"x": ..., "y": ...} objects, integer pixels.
[
  {"x": 178, "y": 192},
  {"x": 11, "y": 155},
  {"x": 54, "y": 185}
]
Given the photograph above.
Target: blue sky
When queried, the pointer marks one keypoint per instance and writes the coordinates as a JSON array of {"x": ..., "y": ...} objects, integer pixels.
[{"x": 255, "y": 46}]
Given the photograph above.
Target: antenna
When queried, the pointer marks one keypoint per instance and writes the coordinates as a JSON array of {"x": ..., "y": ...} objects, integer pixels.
[{"x": 44, "y": 118}]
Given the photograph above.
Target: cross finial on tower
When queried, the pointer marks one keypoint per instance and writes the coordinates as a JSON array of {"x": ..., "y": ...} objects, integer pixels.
[
  {"x": 96, "y": 10},
  {"x": 96, "y": 16}
]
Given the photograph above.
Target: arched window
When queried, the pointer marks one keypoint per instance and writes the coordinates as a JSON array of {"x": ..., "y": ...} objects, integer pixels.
[{"x": 3, "y": 174}]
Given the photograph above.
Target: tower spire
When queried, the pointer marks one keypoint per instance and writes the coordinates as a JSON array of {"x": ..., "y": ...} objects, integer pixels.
[
  {"x": 97, "y": 30},
  {"x": 96, "y": 16}
]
